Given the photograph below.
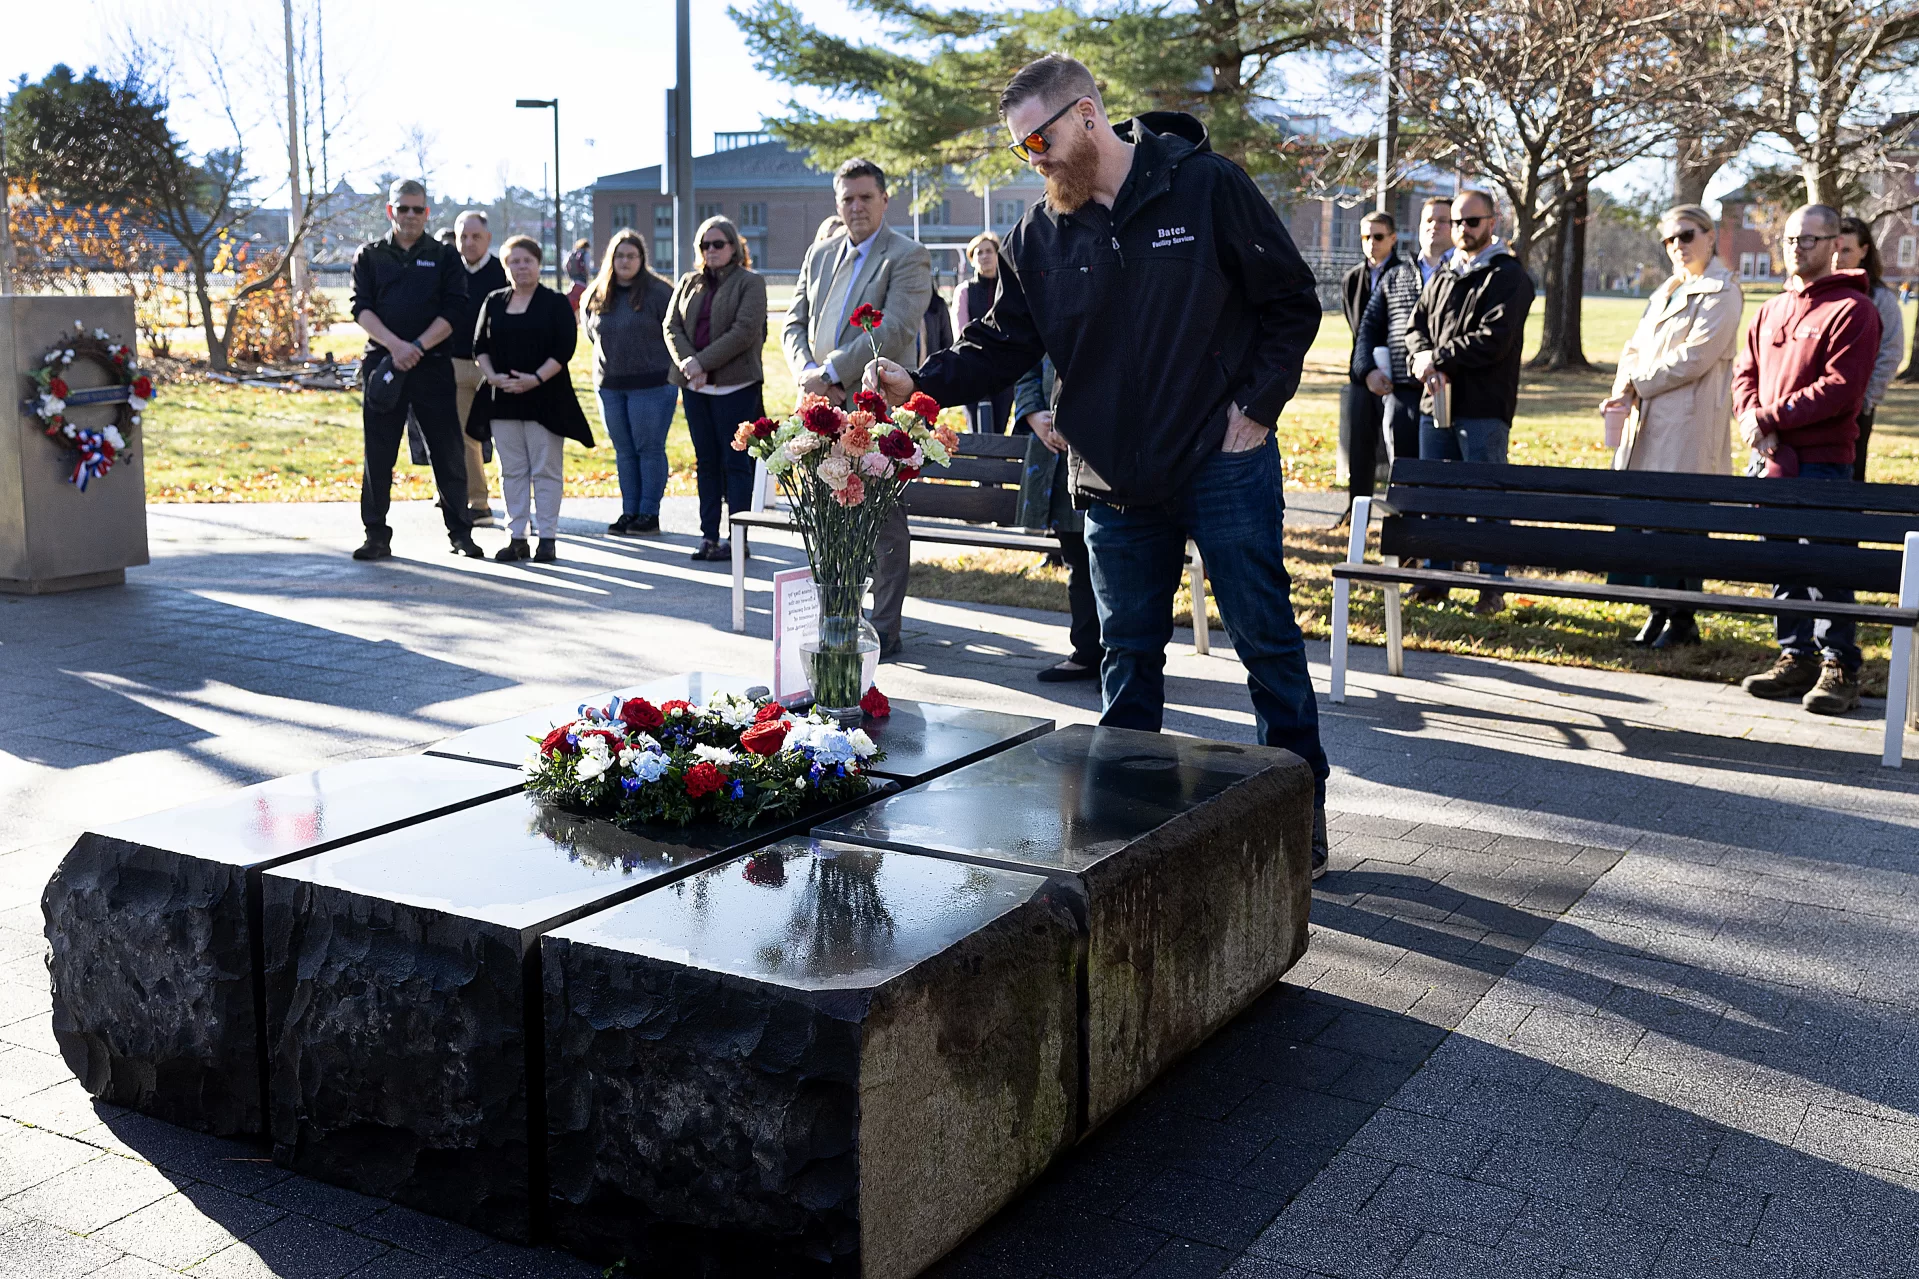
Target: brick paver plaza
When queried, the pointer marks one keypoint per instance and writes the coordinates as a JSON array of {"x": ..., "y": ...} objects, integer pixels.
[{"x": 1614, "y": 975}]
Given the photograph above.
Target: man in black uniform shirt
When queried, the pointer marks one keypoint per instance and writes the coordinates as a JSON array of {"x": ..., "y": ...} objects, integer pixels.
[{"x": 409, "y": 290}]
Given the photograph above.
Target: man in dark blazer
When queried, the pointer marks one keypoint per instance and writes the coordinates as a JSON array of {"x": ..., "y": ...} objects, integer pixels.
[{"x": 1361, "y": 415}]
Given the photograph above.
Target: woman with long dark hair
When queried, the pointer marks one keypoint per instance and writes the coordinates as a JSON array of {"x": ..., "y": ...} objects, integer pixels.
[
  {"x": 1858, "y": 252},
  {"x": 622, "y": 310},
  {"x": 972, "y": 300},
  {"x": 715, "y": 327}
]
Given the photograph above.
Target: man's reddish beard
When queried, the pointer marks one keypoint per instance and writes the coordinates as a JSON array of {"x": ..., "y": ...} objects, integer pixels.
[{"x": 1073, "y": 173}]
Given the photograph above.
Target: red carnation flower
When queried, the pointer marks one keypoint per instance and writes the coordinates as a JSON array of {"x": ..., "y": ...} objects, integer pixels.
[
  {"x": 907, "y": 473},
  {"x": 923, "y": 404},
  {"x": 897, "y": 445},
  {"x": 770, "y": 711},
  {"x": 872, "y": 402},
  {"x": 703, "y": 779},
  {"x": 866, "y": 316},
  {"x": 763, "y": 427},
  {"x": 765, "y": 739},
  {"x": 556, "y": 743},
  {"x": 823, "y": 419},
  {"x": 143, "y": 387},
  {"x": 637, "y": 712},
  {"x": 676, "y": 705},
  {"x": 57, "y": 387},
  {"x": 875, "y": 703}
]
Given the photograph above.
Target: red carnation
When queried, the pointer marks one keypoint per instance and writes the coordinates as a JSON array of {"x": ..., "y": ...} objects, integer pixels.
[
  {"x": 763, "y": 427},
  {"x": 556, "y": 743},
  {"x": 823, "y": 419},
  {"x": 57, "y": 387},
  {"x": 875, "y": 703},
  {"x": 703, "y": 779},
  {"x": 770, "y": 711},
  {"x": 872, "y": 402},
  {"x": 897, "y": 445},
  {"x": 907, "y": 473},
  {"x": 765, "y": 739},
  {"x": 637, "y": 712},
  {"x": 143, "y": 387},
  {"x": 676, "y": 705},
  {"x": 866, "y": 316},
  {"x": 924, "y": 405}
]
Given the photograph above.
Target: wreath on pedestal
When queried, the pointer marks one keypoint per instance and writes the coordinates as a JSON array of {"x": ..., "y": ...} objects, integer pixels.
[{"x": 129, "y": 390}]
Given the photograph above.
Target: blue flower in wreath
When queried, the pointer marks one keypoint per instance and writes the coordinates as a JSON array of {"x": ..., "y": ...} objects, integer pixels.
[
  {"x": 648, "y": 766},
  {"x": 738, "y": 790}
]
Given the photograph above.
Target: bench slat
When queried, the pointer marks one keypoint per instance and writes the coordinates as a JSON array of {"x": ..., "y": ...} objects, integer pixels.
[
  {"x": 983, "y": 470},
  {"x": 958, "y": 502},
  {"x": 1651, "y": 596},
  {"x": 1901, "y": 499},
  {"x": 1563, "y": 508},
  {"x": 986, "y": 444},
  {"x": 1664, "y": 554},
  {"x": 984, "y": 536}
]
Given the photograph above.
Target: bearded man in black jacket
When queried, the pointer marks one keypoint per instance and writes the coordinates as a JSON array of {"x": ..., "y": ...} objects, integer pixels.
[{"x": 1177, "y": 312}]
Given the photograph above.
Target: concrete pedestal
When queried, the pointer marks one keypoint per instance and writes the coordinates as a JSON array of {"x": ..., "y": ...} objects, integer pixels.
[
  {"x": 819, "y": 1060},
  {"x": 1191, "y": 861},
  {"x": 53, "y": 537},
  {"x": 155, "y": 929}
]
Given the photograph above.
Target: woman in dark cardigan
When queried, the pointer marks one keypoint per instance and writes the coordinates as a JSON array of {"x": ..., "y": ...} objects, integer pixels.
[{"x": 524, "y": 338}]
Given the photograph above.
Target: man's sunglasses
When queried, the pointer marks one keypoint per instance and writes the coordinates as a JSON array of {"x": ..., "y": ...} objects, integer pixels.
[
  {"x": 1807, "y": 241},
  {"x": 710, "y": 245},
  {"x": 1377, "y": 236},
  {"x": 409, "y": 208},
  {"x": 1684, "y": 237},
  {"x": 1035, "y": 143},
  {"x": 1472, "y": 223}
]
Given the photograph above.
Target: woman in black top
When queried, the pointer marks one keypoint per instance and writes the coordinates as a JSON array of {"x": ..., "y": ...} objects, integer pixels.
[
  {"x": 524, "y": 338},
  {"x": 971, "y": 301}
]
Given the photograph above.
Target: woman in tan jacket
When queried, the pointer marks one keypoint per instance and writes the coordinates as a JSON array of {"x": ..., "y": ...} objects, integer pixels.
[
  {"x": 1675, "y": 377},
  {"x": 715, "y": 327}
]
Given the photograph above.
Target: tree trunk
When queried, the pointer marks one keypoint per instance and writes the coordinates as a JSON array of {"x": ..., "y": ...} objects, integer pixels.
[
  {"x": 216, "y": 346},
  {"x": 1552, "y": 306},
  {"x": 1695, "y": 163},
  {"x": 1911, "y": 372},
  {"x": 1561, "y": 343}
]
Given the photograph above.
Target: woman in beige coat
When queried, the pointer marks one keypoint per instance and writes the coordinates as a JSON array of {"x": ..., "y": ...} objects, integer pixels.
[{"x": 1675, "y": 377}]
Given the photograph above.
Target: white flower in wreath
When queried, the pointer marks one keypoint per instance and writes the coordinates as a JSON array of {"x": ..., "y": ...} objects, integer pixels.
[
  {"x": 714, "y": 754},
  {"x": 734, "y": 711},
  {"x": 834, "y": 470},
  {"x": 136, "y": 419},
  {"x": 137, "y": 404},
  {"x": 50, "y": 405},
  {"x": 103, "y": 335},
  {"x": 862, "y": 744},
  {"x": 114, "y": 438},
  {"x": 51, "y": 357},
  {"x": 594, "y": 759},
  {"x": 79, "y": 327}
]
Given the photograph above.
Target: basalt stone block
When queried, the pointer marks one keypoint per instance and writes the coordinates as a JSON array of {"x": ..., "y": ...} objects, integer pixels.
[
  {"x": 921, "y": 739},
  {"x": 399, "y": 974},
  {"x": 818, "y": 1060},
  {"x": 1191, "y": 861},
  {"x": 154, "y": 929}
]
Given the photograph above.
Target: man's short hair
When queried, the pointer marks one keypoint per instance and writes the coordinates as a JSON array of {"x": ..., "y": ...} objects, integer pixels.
[
  {"x": 404, "y": 187},
  {"x": 1379, "y": 217},
  {"x": 1472, "y": 192},
  {"x": 1055, "y": 79},
  {"x": 860, "y": 167},
  {"x": 1433, "y": 200},
  {"x": 473, "y": 215},
  {"x": 1826, "y": 214}
]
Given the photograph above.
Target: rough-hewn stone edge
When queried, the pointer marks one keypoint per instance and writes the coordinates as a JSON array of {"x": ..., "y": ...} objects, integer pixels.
[
  {"x": 1191, "y": 923},
  {"x": 152, "y": 976},
  {"x": 986, "y": 1030}
]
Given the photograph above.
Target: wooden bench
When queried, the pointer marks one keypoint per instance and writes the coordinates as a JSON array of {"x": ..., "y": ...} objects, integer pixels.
[
  {"x": 1572, "y": 519},
  {"x": 980, "y": 510}
]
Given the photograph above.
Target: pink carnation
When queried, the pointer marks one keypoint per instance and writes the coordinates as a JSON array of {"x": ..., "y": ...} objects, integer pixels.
[
  {"x": 851, "y": 493},
  {"x": 876, "y": 465}
]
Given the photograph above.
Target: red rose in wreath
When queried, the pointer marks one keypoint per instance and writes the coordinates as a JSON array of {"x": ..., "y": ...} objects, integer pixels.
[
  {"x": 143, "y": 387},
  {"x": 897, "y": 445},
  {"x": 873, "y": 402},
  {"x": 770, "y": 711},
  {"x": 765, "y": 739},
  {"x": 556, "y": 743},
  {"x": 675, "y": 705},
  {"x": 924, "y": 405},
  {"x": 875, "y": 703},
  {"x": 57, "y": 388},
  {"x": 866, "y": 316},
  {"x": 703, "y": 779},
  {"x": 637, "y": 712}
]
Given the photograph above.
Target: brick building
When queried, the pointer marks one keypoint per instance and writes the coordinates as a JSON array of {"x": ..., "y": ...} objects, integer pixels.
[{"x": 1749, "y": 231}]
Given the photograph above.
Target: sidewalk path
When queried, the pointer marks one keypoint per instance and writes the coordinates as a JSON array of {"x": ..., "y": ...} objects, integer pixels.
[{"x": 1615, "y": 975}]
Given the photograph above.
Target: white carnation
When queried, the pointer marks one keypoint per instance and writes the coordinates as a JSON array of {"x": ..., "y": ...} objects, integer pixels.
[
  {"x": 714, "y": 754},
  {"x": 862, "y": 744},
  {"x": 834, "y": 470},
  {"x": 115, "y": 438}
]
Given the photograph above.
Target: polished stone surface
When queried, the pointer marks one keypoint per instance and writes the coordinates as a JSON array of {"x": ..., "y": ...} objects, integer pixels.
[
  {"x": 1189, "y": 861},
  {"x": 510, "y": 741},
  {"x": 153, "y": 924},
  {"x": 820, "y": 1058},
  {"x": 397, "y": 972}
]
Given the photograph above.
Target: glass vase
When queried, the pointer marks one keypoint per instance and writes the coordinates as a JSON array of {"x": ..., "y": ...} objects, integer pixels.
[{"x": 836, "y": 659}]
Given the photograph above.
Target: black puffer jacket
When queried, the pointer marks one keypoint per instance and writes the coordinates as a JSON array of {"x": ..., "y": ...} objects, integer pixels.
[
  {"x": 1474, "y": 324},
  {"x": 1186, "y": 297}
]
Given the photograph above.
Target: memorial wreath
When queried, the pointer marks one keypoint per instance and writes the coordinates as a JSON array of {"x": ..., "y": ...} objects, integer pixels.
[
  {"x": 736, "y": 760},
  {"x": 94, "y": 452}
]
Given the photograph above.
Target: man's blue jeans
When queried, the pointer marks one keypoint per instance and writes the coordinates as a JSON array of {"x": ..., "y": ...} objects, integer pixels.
[
  {"x": 1233, "y": 511},
  {"x": 1833, "y": 638},
  {"x": 1472, "y": 439},
  {"x": 637, "y": 423}
]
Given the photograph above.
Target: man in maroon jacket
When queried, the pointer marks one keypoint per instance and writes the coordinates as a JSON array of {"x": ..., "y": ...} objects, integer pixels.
[{"x": 1798, "y": 389}]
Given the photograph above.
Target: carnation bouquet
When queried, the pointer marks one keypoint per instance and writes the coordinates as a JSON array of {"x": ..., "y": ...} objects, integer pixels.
[
  {"x": 735, "y": 760},
  {"x": 843, "y": 472}
]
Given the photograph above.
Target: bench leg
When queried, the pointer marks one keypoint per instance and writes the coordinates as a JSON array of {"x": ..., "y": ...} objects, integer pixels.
[
  {"x": 1196, "y": 579},
  {"x": 739, "y": 580},
  {"x": 1342, "y": 592},
  {"x": 1898, "y": 696},
  {"x": 1395, "y": 652}
]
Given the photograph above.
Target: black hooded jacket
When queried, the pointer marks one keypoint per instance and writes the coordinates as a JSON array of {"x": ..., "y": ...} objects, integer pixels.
[{"x": 1187, "y": 297}]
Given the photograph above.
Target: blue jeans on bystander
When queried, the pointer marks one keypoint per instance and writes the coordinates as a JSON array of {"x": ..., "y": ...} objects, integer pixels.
[
  {"x": 1833, "y": 638},
  {"x": 1472, "y": 439},
  {"x": 723, "y": 471},
  {"x": 637, "y": 423},
  {"x": 1233, "y": 510}
]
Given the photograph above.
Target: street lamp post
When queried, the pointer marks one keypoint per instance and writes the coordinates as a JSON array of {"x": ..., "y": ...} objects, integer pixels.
[{"x": 559, "y": 230}]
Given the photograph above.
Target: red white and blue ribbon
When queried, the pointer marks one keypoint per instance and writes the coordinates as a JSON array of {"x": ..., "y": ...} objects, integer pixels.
[{"x": 94, "y": 460}]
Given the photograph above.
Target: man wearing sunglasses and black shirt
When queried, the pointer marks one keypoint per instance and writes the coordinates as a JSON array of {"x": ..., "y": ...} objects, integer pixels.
[
  {"x": 1177, "y": 314},
  {"x": 409, "y": 290},
  {"x": 1361, "y": 410}
]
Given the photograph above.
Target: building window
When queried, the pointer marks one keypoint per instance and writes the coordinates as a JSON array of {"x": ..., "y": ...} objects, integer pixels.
[
  {"x": 940, "y": 214},
  {"x": 1745, "y": 266},
  {"x": 756, "y": 248},
  {"x": 1908, "y": 251},
  {"x": 623, "y": 215},
  {"x": 753, "y": 214},
  {"x": 710, "y": 211},
  {"x": 1007, "y": 212},
  {"x": 663, "y": 236},
  {"x": 1749, "y": 218},
  {"x": 1344, "y": 229},
  {"x": 1762, "y": 266}
]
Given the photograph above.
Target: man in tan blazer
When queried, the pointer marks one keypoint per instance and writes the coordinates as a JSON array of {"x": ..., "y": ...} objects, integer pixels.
[{"x": 868, "y": 263}]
